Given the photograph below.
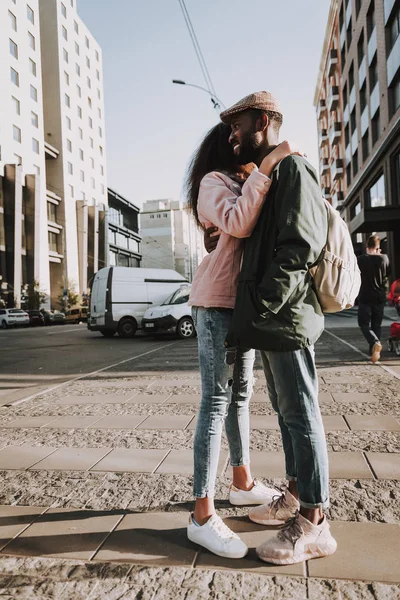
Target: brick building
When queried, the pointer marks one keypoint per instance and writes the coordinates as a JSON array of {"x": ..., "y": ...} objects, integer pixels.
[{"x": 357, "y": 100}]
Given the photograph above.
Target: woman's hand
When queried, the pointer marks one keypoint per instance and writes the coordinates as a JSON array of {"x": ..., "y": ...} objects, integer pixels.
[{"x": 279, "y": 153}]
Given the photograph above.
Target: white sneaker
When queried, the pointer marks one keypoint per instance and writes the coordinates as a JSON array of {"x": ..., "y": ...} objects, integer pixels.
[
  {"x": 259, "y": 494},
  {"x": 217, "y": 538},
  {"x": 282, "y": 507},
  {"x": 298, "y": 541},
  {"x": 376, "y": 352}
]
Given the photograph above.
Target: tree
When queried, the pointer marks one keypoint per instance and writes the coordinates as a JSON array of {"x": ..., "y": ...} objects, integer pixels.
[
  {"x": 72, "y": 298},
  {"x": 32, "y": 297}
]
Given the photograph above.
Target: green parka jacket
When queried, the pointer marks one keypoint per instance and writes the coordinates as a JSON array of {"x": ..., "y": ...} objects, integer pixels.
[{"x": 276, "y": 306}]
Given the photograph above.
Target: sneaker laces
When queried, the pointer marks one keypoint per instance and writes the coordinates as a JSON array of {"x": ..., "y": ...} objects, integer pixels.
[
  {"x": 291, "y": 531},
  {"x": 222, "y": 530},
  {"x": 278, "y": 500}
]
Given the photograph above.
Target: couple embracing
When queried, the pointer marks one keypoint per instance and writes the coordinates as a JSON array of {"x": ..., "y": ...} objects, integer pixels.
[{"x": 254, "y": 291}]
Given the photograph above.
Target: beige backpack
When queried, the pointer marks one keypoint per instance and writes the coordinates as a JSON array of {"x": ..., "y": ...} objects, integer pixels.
[{"x": 336, "y": 275}]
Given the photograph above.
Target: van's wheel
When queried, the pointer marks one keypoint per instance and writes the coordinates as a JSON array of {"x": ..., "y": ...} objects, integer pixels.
[
  {"x": 185, "y": 328},
  {"x": 4, "y": 325},
  {"x": 127, "y": 327},
  {"x": 108, "y": 332}
]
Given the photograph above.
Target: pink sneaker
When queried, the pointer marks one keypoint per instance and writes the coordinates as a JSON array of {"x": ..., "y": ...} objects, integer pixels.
[{"x": 282, "y": 507}]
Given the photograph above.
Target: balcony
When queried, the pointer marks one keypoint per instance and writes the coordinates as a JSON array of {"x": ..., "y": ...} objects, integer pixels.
[
  {"x": 337, "y": 169},
  {"x": 393, "y": 62},
  {"x": 50, "y": 151},
  {"x": 352, "y": 98},
  {"x": 374, "y": 100},
  {"x": 321, "y": 108},
  {"x": 372, "y": 46},
  {"x": 326, "y": 192},
  {"x": 335, "y": 133},
  {"x": 323, "y": 166},
  {"x": 53, "y": 197},
  {"x": 337, "y": 199},
  {"x": 334, "y": 98},
  {"x": 362, "y": 72},
  {"x": 323, "y": 138},
  {"x": 332, "y": 62}
]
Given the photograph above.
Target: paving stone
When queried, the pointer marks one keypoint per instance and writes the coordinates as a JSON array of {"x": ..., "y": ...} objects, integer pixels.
[
  {"x": 131, "y": 460},
  {"x": 354, "y": 398},
  {"x": 73, "y": 422},
  {"x": 264, "y": 422},
  {"x": 149, "y": 399},
  {"x": 267, "y": 464},
  {"x": 253, "y": 535},
  {"x": 259, "y": 398},
  {"x": 193, "y": 424},
  {"x": 71, "y": 459},
  {"x": 27, "y": 422},
  {"x": 341, "y": 378},
  {"x": 22, "y": 457},
  {"x": 373, "y": 423},
  {"x": 325, "y": 398},
  {"x": 334, "y": 423},
  {"x": 118, "y": 422},
  {"x": 150, "y": 539},
  {"x": 65, "y": 533},
  {"x": 184, "y": 399},
  {"x": 166, "y": 422},
  {"x": 194, "y": 382},
  {"x": 100, "y": 399},
  {"x": 133, "y": 384},
  {"x": 385, "y": 465},
  {"x": 366, "y": 551},
  {"x": 14, "y": 519},
  {"x": 348, "y": 465},
  {"x": 181, "y": 462}
]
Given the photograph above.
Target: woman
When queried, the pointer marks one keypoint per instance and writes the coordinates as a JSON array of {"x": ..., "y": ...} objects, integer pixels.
[{"x": 224, "y": 195}]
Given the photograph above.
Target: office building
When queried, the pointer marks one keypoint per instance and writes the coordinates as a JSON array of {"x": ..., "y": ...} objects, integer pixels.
[
  {"x": 123, "y": 232},
  {"x": 358, "y": 112}
]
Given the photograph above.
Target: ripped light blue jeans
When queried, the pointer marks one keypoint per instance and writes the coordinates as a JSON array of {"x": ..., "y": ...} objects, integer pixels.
[{"x": 226, "y": 392}]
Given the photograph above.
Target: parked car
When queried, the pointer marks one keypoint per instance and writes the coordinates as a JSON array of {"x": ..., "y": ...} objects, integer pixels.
[
  {"x": 35, "y": 318},
  {"x": 13, "y": 317},
  {"x": 76, "y": 315},
  {"x": 121, "y": 295},
  {"x": 172, "y": 316},
  {"x": 53, "y": 317}
]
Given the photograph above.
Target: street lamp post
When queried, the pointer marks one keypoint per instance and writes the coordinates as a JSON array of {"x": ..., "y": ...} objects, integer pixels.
[{"x": 216, "y": 102}]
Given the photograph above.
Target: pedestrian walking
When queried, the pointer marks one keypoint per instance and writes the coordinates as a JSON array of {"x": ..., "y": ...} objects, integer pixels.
[
  {"x": 229, "y": 197},
  {"x": 375, "y": 270},
  {"x": 277, "y": 312}
]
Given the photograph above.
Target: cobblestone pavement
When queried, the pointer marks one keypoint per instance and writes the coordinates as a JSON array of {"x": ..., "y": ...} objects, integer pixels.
[{"x": 96, "y": 485}]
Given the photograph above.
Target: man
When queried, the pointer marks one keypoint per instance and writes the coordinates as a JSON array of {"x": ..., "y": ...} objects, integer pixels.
[
  {"x": 375, "y": 270},
  {"x": 277, "y": 312}
]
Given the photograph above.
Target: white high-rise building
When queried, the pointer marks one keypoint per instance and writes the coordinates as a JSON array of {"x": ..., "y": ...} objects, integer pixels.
[
  {"x": 170, "y": 237},
  {"x": 52, "y": 124}
]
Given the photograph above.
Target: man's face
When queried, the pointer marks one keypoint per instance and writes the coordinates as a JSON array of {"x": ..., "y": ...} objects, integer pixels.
[{"x": 245, "y": 138}]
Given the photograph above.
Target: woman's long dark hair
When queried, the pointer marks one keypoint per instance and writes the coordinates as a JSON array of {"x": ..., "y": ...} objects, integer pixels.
[{"x": 214, "y": 154}]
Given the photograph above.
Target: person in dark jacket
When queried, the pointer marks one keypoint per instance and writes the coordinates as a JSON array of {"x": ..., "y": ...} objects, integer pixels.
[
  {"x": 375, "y": 270},
  {"x": 278, "y": 313}
]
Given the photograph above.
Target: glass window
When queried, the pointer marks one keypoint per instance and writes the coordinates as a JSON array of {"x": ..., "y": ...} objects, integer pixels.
[
  {"x": 93, "y": 183},
  {"x": 98, "y": 94},
  {"x": 80, "y": 133},
  {"x": 34, "y": 119},
  {"x": 77, "y": 69},
  {"x": 70, "y": 169},
  {"x": 69, "y": 145},
  {"x": 97, "y": 56},
  {"x": 89, "y": 83},
  {"x": 363, "y": 97},
  {"x": 98, "y": 74},
  {"x": 16, "y": 105},
  {"x": 360, "y": 48},
  {"x": 100, "y": 132},
  {"x": 52, "y": 241},
  {"x": 102, "y": 169},
  {"x": 87, "y": 41},
  {"x": 68, "y": 122},
  {"x": 79, "y": 112},
  {"x": 351, "y": 77},
  {"x": 32, "y": 67},
  {"x": 71, "y": 190},
  {"x": 102, "y": 188},
  {"x": 16, "y": 133},
  {"x": 30, "y": 14},
  {"x": 76, "y": 27},
  {"x": 353, "y": 121},
  {"x": 63, "y": 10},
  {"x": 13, "y": 20},
  {"x": 33, "y": 93},
  {"x": 376, "y": 127},
  {"x": 77, "y": 49},
  {"x": 13, "y": 49},
  {"x": 99, "y": 112},
  {"x": 394, "y": 92},
  {"x": 394, "y": 28},
  {"x": 35, "y": 146},
  {"x": 370, "y": 20},
  {"x": 365, "y": 147},
  {"x": 52, "y": 212},
  {"x": 355, "y": 209},
  {"x": 31, "y": 41},
  {"x": 14, "y": 77},
  {"x": 64, "y": 33},
  {"x": 91, "y": 142},
  {"x": 90, "y": 122},
  {"x": 376, "y": 193},
  {"x": 92, "y": 162},
  {"x": 67, "y": 100},
  {"x": 66, "y": 77},
  {"x": 81, "y": 155},
  {"x": 101, "y": 150},
  {"x": 373, "y": 74},
  {"x": 79, "y": 90},
  {"x": 90, "y": 102},
  {"x": 88, "y": 62},
  {"x": 65, "y": 55},
  {"x": 82, "y": 176}
]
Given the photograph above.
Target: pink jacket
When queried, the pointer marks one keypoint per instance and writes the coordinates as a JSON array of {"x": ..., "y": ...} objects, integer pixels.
[{"x": 234, "y": 210}]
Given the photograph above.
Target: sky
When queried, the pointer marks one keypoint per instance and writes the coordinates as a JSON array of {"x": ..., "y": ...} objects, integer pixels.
[{"x": 152, "y": 125}]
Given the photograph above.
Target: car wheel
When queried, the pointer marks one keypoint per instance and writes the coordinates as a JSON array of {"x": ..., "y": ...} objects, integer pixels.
[
  {"x": 185, "y": 328},
  {"x": 127, "y": 327},
  {"x": 108, "y": 333},
  {"x": 4, "y": 324},
  {"x": 397, "y": 347},
  {"x": 390, "y": 345}
]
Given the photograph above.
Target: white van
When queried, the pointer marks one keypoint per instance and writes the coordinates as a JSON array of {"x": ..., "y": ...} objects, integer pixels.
[{"x": 121, "y": 295}]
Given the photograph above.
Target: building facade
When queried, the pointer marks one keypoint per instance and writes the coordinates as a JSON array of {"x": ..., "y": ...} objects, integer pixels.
[
  {"x": 123, "y": 232},
  {"x": 170, "y": 237},
  {"x": 53, "y": 188},
  {"x": 358, "y": 113}
]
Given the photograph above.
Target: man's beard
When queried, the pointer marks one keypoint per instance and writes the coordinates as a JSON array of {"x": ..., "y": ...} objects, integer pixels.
[{"x": 249, "y": 148}]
